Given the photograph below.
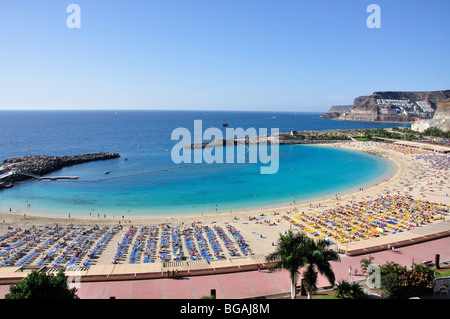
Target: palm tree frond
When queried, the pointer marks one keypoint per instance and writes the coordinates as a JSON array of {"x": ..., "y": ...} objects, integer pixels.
[{"x": 296, "y": 250}]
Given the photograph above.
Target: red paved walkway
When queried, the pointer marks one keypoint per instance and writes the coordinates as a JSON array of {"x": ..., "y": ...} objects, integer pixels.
[{"x": 248, "y": 284}]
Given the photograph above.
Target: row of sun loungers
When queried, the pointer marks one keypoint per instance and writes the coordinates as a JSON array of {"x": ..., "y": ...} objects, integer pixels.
[
  {"x": 164, "y": 245},
  {"x": 49, "y": 246},
  {"x": 368, "y": 219},
  {"x": 70, "y": 246},
  {"x": 123, "y": 245},
  {"x": 190, "y": 244},
  {"x": 176, "y": 245},
  {"x": 99, "y": 247},
  {"x": 151, "y": 244},
  {"x": 75, "y": 250},
  {"x": 202, "y": 245},
  {"x": 138, "y": 243},
  {"x": 20, "y": 247},
  {"x": 226, "y": 240},
  {"x": 239, "y": 239}
]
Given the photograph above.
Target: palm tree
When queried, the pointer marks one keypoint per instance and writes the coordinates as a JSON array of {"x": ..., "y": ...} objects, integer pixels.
[
  {"x": 295, "y": 251},
  {"x": 289, "y": 255},
  {"x": 349, "y": 290},
  {"x": 343, "y": 289},
  {"x": 365, "y": 262},
  {"x": 318, "y": 256}
]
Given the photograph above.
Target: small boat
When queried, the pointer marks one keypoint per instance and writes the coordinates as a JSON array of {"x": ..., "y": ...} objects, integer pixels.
[
  {"x": 225, "y": 124},
  {"x": 107, "y": 172}
]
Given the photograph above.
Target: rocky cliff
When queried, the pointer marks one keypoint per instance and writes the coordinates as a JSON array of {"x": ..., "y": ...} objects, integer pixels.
[
  {"x": 335, "y": 111},
  {"x": 340, "y": 108},
  {"x": 365, "y": 108},
  {"x": 441, "y": 119}
]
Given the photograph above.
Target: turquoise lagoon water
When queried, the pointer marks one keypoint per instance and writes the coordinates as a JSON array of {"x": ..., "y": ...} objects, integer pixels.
[
  {"x": 305, "y": 172},
  {"x": 144, "y": 181}
]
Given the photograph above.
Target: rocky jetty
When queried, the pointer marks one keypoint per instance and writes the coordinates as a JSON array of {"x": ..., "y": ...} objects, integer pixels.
[
  {"x": 234, "y": 141},
  {"x": 17, "y": 169},
  {"x": 294, "y": 137}
]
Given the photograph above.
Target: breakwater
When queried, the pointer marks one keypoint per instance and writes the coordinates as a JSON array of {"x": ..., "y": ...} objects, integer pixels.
[
  {"x": 18, "y": 169},
  {"x": 259, "y": 140}
]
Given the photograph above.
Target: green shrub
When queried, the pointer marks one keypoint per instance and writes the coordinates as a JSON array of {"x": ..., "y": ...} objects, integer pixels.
[{"x": 40, "y": 285}]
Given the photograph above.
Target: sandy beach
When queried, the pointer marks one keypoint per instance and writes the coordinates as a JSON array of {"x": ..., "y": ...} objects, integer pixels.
[{"x": 420, "y": 175}]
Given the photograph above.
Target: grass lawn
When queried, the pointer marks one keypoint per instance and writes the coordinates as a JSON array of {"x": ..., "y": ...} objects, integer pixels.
[
  {"x": 443, "y": 273},
  {"x": 326, "y": 294}
]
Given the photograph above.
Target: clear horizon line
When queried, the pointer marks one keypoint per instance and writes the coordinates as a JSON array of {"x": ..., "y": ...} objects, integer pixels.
[{"x": 167, "y": 110}]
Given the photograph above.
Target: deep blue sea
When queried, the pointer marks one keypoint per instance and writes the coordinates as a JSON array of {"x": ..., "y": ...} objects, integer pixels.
[{"x": 145, "y": 181}]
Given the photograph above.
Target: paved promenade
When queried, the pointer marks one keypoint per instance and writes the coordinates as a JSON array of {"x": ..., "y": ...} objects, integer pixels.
[{"x": 249, "y": 284}]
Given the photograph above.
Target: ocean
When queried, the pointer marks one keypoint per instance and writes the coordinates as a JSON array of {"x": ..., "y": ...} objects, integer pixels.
[{"x": 145, "y": 181}]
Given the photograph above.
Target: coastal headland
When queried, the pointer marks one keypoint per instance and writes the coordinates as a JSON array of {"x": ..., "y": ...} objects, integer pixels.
[
  {"x": 388, "y": 106},
  {"x": 19, "y": 169}
]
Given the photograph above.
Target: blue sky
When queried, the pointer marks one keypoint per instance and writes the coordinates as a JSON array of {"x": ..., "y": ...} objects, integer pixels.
[{"x": 287, "y": 55}]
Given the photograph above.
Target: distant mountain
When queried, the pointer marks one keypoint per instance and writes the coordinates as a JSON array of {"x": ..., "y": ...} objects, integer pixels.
[{"x": 391, "y": 107}]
